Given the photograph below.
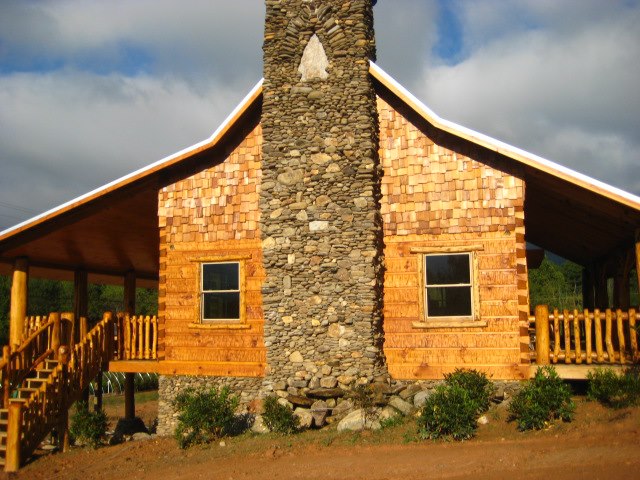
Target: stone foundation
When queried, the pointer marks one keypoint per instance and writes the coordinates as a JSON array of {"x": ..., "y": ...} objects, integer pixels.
[{"x": 169, "y": 386}]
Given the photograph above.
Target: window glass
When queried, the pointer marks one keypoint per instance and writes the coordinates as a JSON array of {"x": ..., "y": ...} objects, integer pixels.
[
  {"x": 448, "y": 269},
  {"x": 220, "y": 276},
  {"x": 220, "y": 291},
  {"x": 449, "y": 291}
]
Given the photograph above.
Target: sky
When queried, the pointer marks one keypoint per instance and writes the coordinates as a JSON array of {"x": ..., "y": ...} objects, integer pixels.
[{"x": 93, "y": 90}]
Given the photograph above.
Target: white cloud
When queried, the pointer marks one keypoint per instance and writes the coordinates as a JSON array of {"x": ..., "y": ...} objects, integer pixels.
[
  {"x": 554, "y": 92},
  {"x": 109, "y": 86}
]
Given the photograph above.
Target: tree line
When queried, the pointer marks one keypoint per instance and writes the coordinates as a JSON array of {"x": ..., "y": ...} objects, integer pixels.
[{"x": 47, "y": 296}]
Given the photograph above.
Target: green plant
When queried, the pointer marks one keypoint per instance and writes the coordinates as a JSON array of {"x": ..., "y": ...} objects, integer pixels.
[
  {"x": 363, "y": 397},
  {"x": 88, "y": 427},
  {"x": 391, "y": 422},
  {"x": 545, "y": 398},
  {"x": 203, "y": 415},
  {"x": 450, "y": 412},
  {"x": 279, "y": 418},
  {"x": 476, "y": 383},
  {"x": 613, "y": 390}
]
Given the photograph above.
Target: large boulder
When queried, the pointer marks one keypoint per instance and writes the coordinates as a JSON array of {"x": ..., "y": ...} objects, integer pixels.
[
  {"x": 304, "y": 417},
  {"x": 357, "y": 421},
  {"x": 319, "y": 411},
  {"x": 399, "y": 404}
]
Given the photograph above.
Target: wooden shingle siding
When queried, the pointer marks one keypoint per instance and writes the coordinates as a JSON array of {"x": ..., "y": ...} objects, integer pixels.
[
  {"x": 213, "y": 215},
  {"x": 440, "y": 197}
]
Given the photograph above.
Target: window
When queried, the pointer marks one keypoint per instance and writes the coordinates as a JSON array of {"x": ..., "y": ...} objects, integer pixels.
[
  {"x": 220, "y": 291},
  {"x": 448, "y": 285}
]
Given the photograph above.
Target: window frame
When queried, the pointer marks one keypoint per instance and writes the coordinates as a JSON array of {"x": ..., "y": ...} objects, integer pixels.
[
  {"x": 202, "y": 293},
  {"x": 426, "y": 321},
  {"x": 223, "y": 323}
]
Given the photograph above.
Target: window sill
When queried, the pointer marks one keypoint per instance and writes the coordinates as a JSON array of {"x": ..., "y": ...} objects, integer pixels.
[
  {"x": 449, "y": 324},
  {"x": 220, "y": 326}
]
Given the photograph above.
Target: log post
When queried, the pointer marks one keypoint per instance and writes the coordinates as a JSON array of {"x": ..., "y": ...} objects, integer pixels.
[
  {"x": 84, "y": 329},
  {"x": 542, "y": 335},
  {"x": 14, "y": 434},
  {"x": 80, "y": 301},
  {"x": 129, "y": 398},
  {"x": 64, "y": 355},
  {"x": 98, "y": 392},
  {"x": 55, "y": 333},
  {"x": 6, "y": 374},
  {"x": 130, "y": 309},
  {"x": 638, "y": 258},
  {"x": 19, "y": 296}
]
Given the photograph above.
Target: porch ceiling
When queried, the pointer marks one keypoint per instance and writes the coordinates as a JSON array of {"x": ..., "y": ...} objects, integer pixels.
[
  {"x": 113, "y": 235},
  {"x": 574, "y": 222}
]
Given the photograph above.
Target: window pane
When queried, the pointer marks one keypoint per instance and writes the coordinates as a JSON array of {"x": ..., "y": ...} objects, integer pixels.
[
  {"x": 449, "y": 302},
  {"x": 216, "y": 306},
  {"x": 447, "y": 269},
  {"x": 220, "y": 276}
]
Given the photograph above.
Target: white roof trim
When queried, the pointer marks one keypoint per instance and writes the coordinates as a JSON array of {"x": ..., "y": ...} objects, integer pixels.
[
  {"x": 211, "y": 140},
  {"x": 504, "y": 148}
]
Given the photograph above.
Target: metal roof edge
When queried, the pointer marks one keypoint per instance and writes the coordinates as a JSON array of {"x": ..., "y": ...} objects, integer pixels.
[
  {"x": 215, "y": 137},
  {"x": 522, "y": 156}
]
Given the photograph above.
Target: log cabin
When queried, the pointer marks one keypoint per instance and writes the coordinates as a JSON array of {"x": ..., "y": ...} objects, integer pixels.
[{"x": 332, "y": 232}]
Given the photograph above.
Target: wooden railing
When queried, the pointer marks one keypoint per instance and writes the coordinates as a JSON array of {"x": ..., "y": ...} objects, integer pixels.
[
  {"x": 31, "y": 421},
  {"x": 34, "y": 323},
  {"x": 608, "y": 336},
  {"x": 42, "y": 343},
  {"x": 137, "y": 337}
]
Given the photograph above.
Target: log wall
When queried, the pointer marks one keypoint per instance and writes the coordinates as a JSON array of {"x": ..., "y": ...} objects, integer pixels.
[
  {"x": 458, "y": 195},
  {"x": 212, "y": 215}
]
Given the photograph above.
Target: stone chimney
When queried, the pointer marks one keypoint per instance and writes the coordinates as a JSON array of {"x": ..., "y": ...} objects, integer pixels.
[{"x": 319, "y": 200}]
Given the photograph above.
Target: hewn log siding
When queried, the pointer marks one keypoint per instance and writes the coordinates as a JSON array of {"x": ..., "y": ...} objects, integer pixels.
[
  {"x": 449, "y": 197},
  {"x": 212, "y": 215}
]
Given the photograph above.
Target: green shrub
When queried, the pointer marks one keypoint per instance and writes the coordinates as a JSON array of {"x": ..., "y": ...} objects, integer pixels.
[
  {"x": 613, "y": 390},
  {"x": 279, "y": 418},
  {"x": 204, "y": 415},
  {"x": 545, "y": 398},
  {"x": 475, "y": 383},
  {"x": 450, "y": 412},
  {"x": 88, "y": 427}
]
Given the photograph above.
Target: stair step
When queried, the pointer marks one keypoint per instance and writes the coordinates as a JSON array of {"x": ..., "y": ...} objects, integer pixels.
[
  {"x": 18, "y": 400},
  {"x": 25, "y": 392},
  {"x": 51, "y": 364},
  {"x": 43, "y": 373},
  {"x": 35, "y": 382}
]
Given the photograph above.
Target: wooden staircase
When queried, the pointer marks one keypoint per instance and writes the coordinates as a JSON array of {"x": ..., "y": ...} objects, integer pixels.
[
  {"x": 42, "y": 378},
  {"x": 20, "y": 396}
]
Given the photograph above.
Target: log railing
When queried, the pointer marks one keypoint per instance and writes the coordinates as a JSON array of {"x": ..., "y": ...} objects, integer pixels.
[
  {"x": 578, "y": 336},
  {"x": 31, "y": 421},
  {"x": 42, "y": 343},
  {"x": 137, "y": 337}
]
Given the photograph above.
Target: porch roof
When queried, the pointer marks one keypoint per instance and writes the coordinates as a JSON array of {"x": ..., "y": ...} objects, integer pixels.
[{"x": 114, "y": 229}]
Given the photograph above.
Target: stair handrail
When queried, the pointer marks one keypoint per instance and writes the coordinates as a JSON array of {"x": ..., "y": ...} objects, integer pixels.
[
  {"x": 42, "y": 343},
  {"x": 30, "y": 422}
]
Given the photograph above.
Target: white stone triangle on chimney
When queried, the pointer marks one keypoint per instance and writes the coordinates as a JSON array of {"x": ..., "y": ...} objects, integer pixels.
[{"x": 314, "y": 61}]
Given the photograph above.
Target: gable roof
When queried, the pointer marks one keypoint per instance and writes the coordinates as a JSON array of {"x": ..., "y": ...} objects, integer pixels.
[{"x": 118, "y": 221}]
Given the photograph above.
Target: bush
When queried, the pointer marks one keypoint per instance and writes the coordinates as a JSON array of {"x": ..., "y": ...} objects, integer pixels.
[
  {"x": 476, "y": 383},
  {"x": 450, "y": 412},
  {"x": 204, "y": 415},
  {"x": 279, "y": 418},
  {"x": 545, "y": 398},
  {"x": 613, "y": 390},
  {"x": 88, "y": 427}
]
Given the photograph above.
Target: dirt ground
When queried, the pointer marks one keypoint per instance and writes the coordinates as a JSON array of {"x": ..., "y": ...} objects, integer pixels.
[{"x": 599, "y": 444}]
